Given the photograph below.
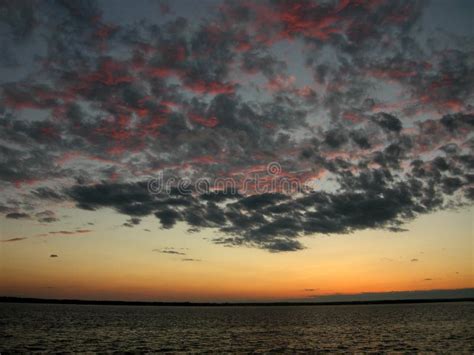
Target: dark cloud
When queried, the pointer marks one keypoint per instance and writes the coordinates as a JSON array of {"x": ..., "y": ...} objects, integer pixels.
[
  {"x": 169, "y": 251},
  {"x": 46, "y": 216},
  {"x": 458, "y": 120},
  {"x": 46, "y": 193},
  {"x": 17, "y": 215},
  {"x": 335, "y": 138},
  {"x": 168, "y": 217},
  {"x": 134, "y": 221},
  {"x": 132, "y": 199},
  {"x": 14, "y": 239},
  {"x": 388, "y": 122},
  {"x": 378, "y": 197},
  {"x": 262, "y": 200},
  {"x": 19, "y": 20}
]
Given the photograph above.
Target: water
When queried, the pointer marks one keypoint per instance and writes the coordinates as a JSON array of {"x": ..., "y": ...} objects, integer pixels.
[{"x": 445, "y": 327}]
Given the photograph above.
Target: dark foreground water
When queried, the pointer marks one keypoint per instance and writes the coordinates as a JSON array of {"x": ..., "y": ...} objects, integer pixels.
[{"x": 439, "y": 327}]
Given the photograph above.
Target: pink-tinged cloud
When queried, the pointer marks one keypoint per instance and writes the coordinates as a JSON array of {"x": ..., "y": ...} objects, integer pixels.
[
  {"x": 21, "y": 182},
  {"x": 352, "y": 117},
  {"x": 213, "y": 87},
  {"x": 204, "y": 121},
  {"x": 280, "y": 83},
  {"x": 110, "y": 72}
]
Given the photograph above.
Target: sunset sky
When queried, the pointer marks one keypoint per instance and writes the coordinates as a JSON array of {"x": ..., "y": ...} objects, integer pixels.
[{"x": 342, "y": 130}]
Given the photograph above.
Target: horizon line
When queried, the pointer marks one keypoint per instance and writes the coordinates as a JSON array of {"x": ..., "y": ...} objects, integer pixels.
[{"x": 30, "y": 300}]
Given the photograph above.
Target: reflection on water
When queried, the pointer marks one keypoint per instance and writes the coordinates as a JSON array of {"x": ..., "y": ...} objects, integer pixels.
[{"x": 409, "y": 327}]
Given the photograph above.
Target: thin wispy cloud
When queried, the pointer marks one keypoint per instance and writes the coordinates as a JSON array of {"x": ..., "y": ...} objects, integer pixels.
[
  {"x": 16, "y": 239},
  {"x": 169, "y": 251}
]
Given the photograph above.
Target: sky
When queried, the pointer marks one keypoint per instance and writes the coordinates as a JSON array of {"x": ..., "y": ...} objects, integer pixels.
[{"x": 236, "y": 150}]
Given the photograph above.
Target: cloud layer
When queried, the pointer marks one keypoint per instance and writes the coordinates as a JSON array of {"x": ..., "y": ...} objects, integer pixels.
[{"x": 364, "y": 100}]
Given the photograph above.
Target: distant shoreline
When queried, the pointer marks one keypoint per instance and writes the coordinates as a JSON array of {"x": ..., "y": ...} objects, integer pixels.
[{"x": 224, "y": 304}]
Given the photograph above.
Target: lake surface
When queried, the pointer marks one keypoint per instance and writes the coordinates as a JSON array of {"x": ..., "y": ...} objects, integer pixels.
[{"x": 445, "y": 327}]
